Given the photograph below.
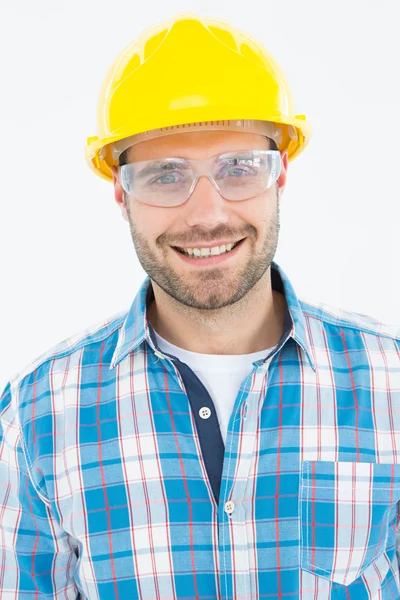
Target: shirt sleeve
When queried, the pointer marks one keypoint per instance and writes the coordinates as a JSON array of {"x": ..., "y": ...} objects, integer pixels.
[
  {"x": 37, "y": 556},
  {"x": 398, "y": 538}
]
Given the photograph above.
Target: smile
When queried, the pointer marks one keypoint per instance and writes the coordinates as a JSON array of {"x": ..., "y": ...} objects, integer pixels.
[{"x": 212, "y": 259}]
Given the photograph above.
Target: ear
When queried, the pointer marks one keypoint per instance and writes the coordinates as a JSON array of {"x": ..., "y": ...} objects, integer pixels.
[
  {"x": 283, "y": 176},
  {"x": 119, "y": 193}
]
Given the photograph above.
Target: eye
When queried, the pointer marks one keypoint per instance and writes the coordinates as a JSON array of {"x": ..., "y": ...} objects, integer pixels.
[
  {"x": 235, "y": 171},
  {"x": 168, "y": 178},
  {"x": 239, "y": 170}
]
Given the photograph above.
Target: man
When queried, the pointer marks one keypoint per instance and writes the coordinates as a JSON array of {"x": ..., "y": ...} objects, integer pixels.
[{"x": 221, "y": 439}]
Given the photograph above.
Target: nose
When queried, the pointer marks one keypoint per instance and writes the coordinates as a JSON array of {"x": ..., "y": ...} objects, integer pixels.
[
  {"x": 203, "y": 179},
  {"x": 206, "y": 206}
]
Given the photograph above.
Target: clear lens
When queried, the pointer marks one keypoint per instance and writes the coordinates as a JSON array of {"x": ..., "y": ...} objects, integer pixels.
[
  {"x": 245, "y": 175},
  {"x": 168, "y": 182}
]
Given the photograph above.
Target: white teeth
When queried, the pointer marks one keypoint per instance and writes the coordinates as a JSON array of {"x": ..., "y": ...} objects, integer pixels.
[{"x": 204, "y": 252}]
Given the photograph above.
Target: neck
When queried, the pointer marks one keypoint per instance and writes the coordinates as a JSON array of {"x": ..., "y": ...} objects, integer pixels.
[{"x": 252, "y": 324}]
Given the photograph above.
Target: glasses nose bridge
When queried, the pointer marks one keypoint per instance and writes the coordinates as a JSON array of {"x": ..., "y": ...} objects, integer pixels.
[{"x": 203, "y": 168}]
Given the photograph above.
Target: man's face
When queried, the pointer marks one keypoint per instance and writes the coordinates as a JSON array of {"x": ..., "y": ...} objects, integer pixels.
[{"x": 206, "y": 218}]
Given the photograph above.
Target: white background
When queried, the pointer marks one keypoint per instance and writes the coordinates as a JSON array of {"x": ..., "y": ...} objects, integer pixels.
[{"x": 67, "y": 259}]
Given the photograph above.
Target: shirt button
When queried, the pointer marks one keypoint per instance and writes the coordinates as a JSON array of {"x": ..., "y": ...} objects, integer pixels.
[
  {"x": 229, "y": 507},
  {"x": 204, "y": 412}
]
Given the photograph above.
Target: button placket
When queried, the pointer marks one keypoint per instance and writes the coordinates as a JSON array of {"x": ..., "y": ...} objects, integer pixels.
[{"x": 239, "y": 504}]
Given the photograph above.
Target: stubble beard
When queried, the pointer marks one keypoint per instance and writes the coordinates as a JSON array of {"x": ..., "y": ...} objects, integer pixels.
[{"x": 208, "y": 289}]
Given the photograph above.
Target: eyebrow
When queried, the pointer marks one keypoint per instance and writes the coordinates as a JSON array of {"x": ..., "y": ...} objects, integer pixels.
[{"x": 155, "y": 166}]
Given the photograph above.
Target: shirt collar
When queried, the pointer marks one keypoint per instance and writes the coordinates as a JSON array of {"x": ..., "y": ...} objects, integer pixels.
[{"x": 136, "y": 328}]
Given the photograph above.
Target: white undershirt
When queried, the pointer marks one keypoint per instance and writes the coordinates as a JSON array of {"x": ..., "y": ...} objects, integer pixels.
[{"x": 221, "y": 374}]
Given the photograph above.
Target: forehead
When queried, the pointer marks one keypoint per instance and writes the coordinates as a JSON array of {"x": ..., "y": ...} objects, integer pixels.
[{"x": 197, "y": 144}]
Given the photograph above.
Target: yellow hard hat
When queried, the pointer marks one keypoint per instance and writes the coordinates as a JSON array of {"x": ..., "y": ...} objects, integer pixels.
[{"x": 192, "y": 69}]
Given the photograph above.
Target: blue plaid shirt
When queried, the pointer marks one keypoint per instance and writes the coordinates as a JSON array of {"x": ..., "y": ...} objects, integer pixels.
[{"x": 113, "y": 487}]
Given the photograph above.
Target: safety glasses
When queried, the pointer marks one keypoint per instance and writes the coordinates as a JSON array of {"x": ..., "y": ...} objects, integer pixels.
[{"x": 169, "y": 182}]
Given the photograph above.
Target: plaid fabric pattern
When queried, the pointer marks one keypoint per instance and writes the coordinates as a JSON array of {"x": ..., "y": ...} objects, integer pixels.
[
  {"x": 344, "y": 516},
  {"x": 105, "y": 488}
]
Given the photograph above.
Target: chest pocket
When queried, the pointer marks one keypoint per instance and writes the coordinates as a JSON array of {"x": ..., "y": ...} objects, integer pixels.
[{"x": 347, "y": 510}]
